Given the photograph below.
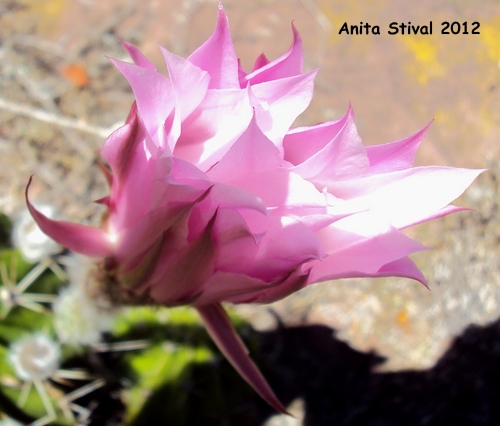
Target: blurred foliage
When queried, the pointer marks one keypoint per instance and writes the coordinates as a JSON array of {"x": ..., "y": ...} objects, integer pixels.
[{"x": 177, "y": 374}]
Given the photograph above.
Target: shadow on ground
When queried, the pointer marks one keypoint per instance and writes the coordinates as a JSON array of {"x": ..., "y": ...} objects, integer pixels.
[{"x": 339, "y": 385}]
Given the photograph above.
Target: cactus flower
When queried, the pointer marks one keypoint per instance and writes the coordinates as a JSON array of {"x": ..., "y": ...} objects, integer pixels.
[{"x": 215, "y": 198}]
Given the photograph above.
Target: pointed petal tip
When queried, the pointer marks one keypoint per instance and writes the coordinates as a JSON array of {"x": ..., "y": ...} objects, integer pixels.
[
  {"x": 350, "y": 110},
  {"x": 221, "y": 13},
  {"x": 104, "y": 201},
  {"x": 126, "y": 45},
  {"x": 218, "y": 325},
  {"x": 296, "y": 34},
  {"x": 81, "y": 239}
]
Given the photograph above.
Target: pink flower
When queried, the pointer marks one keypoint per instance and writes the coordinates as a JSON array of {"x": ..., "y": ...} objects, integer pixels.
[
  {"x": 215, "y": 198},
  {"x": 389, "y": 192}
]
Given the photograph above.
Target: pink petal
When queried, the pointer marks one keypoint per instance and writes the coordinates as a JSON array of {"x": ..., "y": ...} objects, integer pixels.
[
  {"x": 404, "y": 268},
  {"x": 281, "y": 189},
  {"x": 278, "y": 103},
  {"x": 153, "y": 94},
  {"x": 229, "y": 286},
  {"x": 445, "y": 211},
  {"x": 397, "y": 155},
  {"x": 241, "y": 74},
  {"x": 152, "y": 225},
  {"x": 278, "y": 291},
  {"x": 222, "y": 332},
  {"x": 139, "y": 266},
  {"x": 210, "y": 130},
  {"x": 362, "y": 243},
  {"x": 137, "y": 56},
  {"x": 229, "y": 196},
  {"x": 242, "y": 288},
  {"x": 189, "y": 83},
  {"x": 119, "y": 149},
  {"x": 287, "y": 65},
  {"x": 408, "y": 196},
  {"x": 236, "y": 244},
  {"x": 136, "y": 193},
  {"x": 186, "y": 173},
  {"x": 287, "y": 244},
  {"x": 183, "y": 271},
  {"x": 302, "y": 143},
  {"x": 168, "y": 136},
  {"x": 342, "y": 158},
  {"x": 78, "y": 238},
  {"x": 252, "y": 152},
  {"x": 260, "y": 62},
  {"x": 218, "y": 57}
]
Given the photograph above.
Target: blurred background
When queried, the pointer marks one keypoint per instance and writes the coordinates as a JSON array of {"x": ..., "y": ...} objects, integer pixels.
[{"x": 60, "y": 97}]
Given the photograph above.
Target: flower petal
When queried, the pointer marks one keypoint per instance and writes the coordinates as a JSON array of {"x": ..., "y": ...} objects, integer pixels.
[
  {"x": 360, "y": 244},
  {"x": 143, "y": 234},
  {"x": 229, "y": 286},
  {"x": 407, "y": 197},
  {"x": 278, "y": 103},
  {"x": 222, "y": 332},
  {"x": 241, "y": 288},
  {"x": 404, "y": 268},
  {"x": 189, "y": 83},
  {"x": 137, "y": 56},
  {"x": 208, "y": 133},
  {"x": 252, "y": 152},
  {"x": 287, "y": 65},
  {"x": 78, "y": 238},
  {"x": 342, "y": 158},
  {"x": 218, "y": 57},
  {"x": 281, "y": 189},
  {"x": 119, "y": 149},
  {"x": 181, "y": 277},
  {"x": 153, "y": 94},
  {"x": 301, "y": 143},
  {"x": 398, "y": 155},
  {"x": 279, "y": 290}
]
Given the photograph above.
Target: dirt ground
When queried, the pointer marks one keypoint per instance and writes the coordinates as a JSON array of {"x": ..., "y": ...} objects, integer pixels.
[{"x": 60, "y": 97}]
